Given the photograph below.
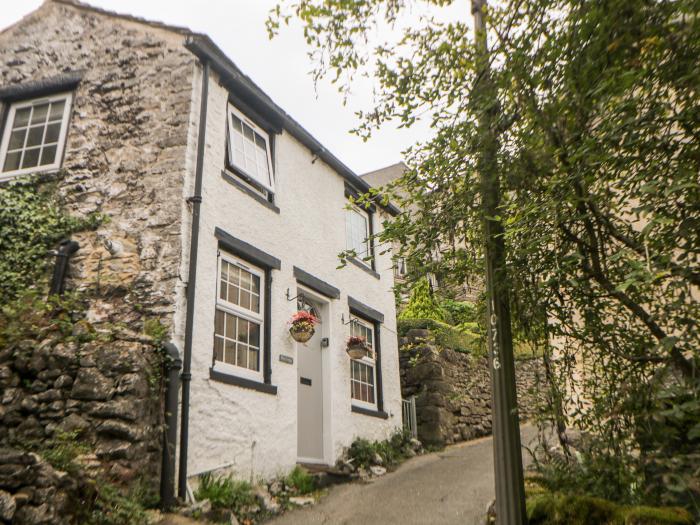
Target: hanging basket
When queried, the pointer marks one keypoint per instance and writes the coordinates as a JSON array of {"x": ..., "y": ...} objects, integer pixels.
[
  {"x": 301, "y": 335},
  {"x": 358, "y": 351}
]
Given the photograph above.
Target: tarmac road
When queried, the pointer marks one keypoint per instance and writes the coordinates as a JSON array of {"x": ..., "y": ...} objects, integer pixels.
[{"x": 453, "y": 486}]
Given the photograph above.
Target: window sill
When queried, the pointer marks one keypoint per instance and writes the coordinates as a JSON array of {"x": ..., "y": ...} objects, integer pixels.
[
  {"x": 233, "y": 181},
  {"x": 242, "y": 382},
  {"x": 363, "y": 266},
  {"x": 371, "y": 413}
]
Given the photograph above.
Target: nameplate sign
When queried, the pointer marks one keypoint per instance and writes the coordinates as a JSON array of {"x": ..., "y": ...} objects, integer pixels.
[{"x": 287, "y": 359}]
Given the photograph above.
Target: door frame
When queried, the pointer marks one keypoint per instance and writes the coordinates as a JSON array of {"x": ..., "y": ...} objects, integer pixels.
[{"x": 326, "y": 331}]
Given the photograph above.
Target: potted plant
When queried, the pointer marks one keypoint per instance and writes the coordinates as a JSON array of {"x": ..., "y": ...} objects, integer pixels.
[
  {"x": 357, "y": 347},
  {"x": 301, "y": 326}
]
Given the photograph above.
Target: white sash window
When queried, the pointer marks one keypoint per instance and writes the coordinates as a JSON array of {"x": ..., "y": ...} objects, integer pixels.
[
  {"x": 249, "y": 149},
  {"x": 34, "y": 135}
]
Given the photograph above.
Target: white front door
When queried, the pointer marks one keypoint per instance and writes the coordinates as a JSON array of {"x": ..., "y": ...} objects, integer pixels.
[{"x": 310, "y": 396}]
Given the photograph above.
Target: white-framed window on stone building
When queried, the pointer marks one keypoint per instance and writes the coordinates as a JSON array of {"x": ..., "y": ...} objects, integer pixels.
[
  {"x": 239, "y": 318},
  {"x": 357, "y": 232},
  {"x": 363, "y": 373},
  {"x": 249, "y": 149},
  {"x": 35, "y": 135}
]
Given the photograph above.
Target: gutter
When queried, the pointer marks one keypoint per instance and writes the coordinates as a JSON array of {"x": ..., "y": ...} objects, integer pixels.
[
  {"x": 196, "y": 201},
  {"x": 234, "y": 79}
]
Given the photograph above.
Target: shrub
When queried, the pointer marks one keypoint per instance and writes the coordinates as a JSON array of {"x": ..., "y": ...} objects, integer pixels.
[
  {"x": 392, "y": 451},
  {"x": 566, "y": 509},
  {"x": 445, "y": 336},
  {"x": 224, "y": 492},
  {"x": 422, "y": 304},
  {"x": 111, "y": 507},
  {"x": 300, "y": 480}
]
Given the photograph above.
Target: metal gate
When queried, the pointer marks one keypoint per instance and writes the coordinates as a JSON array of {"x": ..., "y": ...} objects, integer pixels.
[{"x": 408, "y": 410}]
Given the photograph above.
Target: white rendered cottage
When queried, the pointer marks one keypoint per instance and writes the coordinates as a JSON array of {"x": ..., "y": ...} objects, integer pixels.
[
  {"x": 234, "y": 215},
  {"x": 274, "y": 218}
]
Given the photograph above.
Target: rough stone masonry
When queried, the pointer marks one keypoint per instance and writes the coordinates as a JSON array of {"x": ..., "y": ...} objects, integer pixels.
[
  {"x": 453, "y": 390},
  {"x": 125, "y": 159}
]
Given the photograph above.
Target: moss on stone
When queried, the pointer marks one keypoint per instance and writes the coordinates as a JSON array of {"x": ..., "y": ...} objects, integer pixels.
[{"x": 546, "y": 508}]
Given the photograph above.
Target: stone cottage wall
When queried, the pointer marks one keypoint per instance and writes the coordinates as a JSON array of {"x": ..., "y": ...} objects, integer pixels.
[
  {"x": 125, "y": 159},
  {"x": 453, "y": 390}
]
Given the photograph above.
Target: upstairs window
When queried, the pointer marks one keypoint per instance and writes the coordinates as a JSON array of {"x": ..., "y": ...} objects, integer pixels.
[
  {"x": 34, "y": 135},
  {"x": 400, "y": 268},
  {"x": 249, "y": 149},
  {"x": 238, "y": 325},
  {"x": 357, "y": 232}
]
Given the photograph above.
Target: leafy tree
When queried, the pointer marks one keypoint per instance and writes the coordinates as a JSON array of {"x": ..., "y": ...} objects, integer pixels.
[
  {"x": 422, "y": 304},
  {"x": 598, "y": 117}
]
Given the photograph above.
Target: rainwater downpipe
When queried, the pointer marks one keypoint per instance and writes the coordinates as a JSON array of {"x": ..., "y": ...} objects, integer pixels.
[
  {"x": 196, "y": 201},
  {"x": 171, "y": 368},
  {"x": 66, "y": 248}
]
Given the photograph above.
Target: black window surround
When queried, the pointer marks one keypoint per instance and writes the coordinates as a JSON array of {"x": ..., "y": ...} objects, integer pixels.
[
  {"x": 375, "y": 317},
  {"x": 232, "y": 173},
  {"x": 267, "y": 262},
  {"x": 39, "y": 88},
  {"x": 233, "y": 179},
  {"x": 316, "y": 284},
  {"x": 370, "y": 209}
]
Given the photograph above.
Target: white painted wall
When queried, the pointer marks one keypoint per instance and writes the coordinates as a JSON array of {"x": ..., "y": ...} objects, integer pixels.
[{"x": 254, "y": 432}]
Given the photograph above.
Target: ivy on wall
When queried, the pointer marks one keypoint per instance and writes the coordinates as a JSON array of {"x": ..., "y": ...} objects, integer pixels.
[{"x": 32, "y": 222}]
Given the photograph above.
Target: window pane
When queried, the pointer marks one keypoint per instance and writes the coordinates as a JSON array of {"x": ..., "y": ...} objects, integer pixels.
[
  {"x": 57, "y": 110},
  {"x": 244, "y": 300},
  {"x": 242, "y": 355},
  {"x": 39, "y": 114},
  {"x": 260, "y": 142},
  {"x": 236, "y": 123},
  {"x": 22, "y": 117},
  {"x": 253, "y": 359},
  {"x": 248, "y": 133},
  {"x": 254, "y": 335},
  {"x": 218, "y": 349},
  {"x": 52, "y": 132},
  {"x": 35, "y": 135},
  {"x": 219, "y": 322},
  {"x": 232, "y": 294},
  {"x": 31, "y": 158},
  {"x": 245, "y": 280},
  {"x": 255, "y": 303},
  {"x": 230, "y": 326},
  {"x": 17, "y": 139},
  {"x": 371, "y": 394},
  {"x": 223, "y": 287},
  {"x": 230, "y": 353},
  {"x": 48, "y": 155},
  {"x": 12, "y": 161},
  {"x": 242, "y": 331}
]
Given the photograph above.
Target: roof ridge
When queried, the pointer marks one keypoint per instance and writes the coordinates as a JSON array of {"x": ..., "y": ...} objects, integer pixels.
[{"x": 139, "y": 20}]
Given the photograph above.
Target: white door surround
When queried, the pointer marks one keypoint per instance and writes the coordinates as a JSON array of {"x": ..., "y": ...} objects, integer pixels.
[{"x": 312, "y": 419}]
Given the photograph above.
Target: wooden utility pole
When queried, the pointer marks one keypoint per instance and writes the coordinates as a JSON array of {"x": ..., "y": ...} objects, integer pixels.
[{"x": 508, "y": 464}]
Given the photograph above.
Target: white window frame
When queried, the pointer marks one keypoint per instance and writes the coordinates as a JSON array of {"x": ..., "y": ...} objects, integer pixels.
[
  {"x": 348, "y": 234},
  {"x": 60, "y": 146},
  {"x": 268, "y": 185},
  {"x": 244, "y": 313},
  {"x": 372, "y": 362}
]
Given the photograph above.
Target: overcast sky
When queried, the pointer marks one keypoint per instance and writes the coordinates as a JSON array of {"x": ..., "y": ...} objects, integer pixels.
[{"x": 280, "y": 67}]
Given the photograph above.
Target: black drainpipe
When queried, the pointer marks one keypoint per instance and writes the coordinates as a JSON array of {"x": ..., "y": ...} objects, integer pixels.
[
  {"x": 196, "y": 201},
  {"x": 171, "y": 368},
  {"x": 65, "y": 249}
]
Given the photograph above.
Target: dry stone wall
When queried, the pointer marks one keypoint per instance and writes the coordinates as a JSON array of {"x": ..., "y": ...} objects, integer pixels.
[
  {"x": 453, "y": 390},
  {"x": 125, "y": 159}
]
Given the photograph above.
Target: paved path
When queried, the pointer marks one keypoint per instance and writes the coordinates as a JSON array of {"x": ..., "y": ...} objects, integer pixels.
[{"x": 452, "y": 486}]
